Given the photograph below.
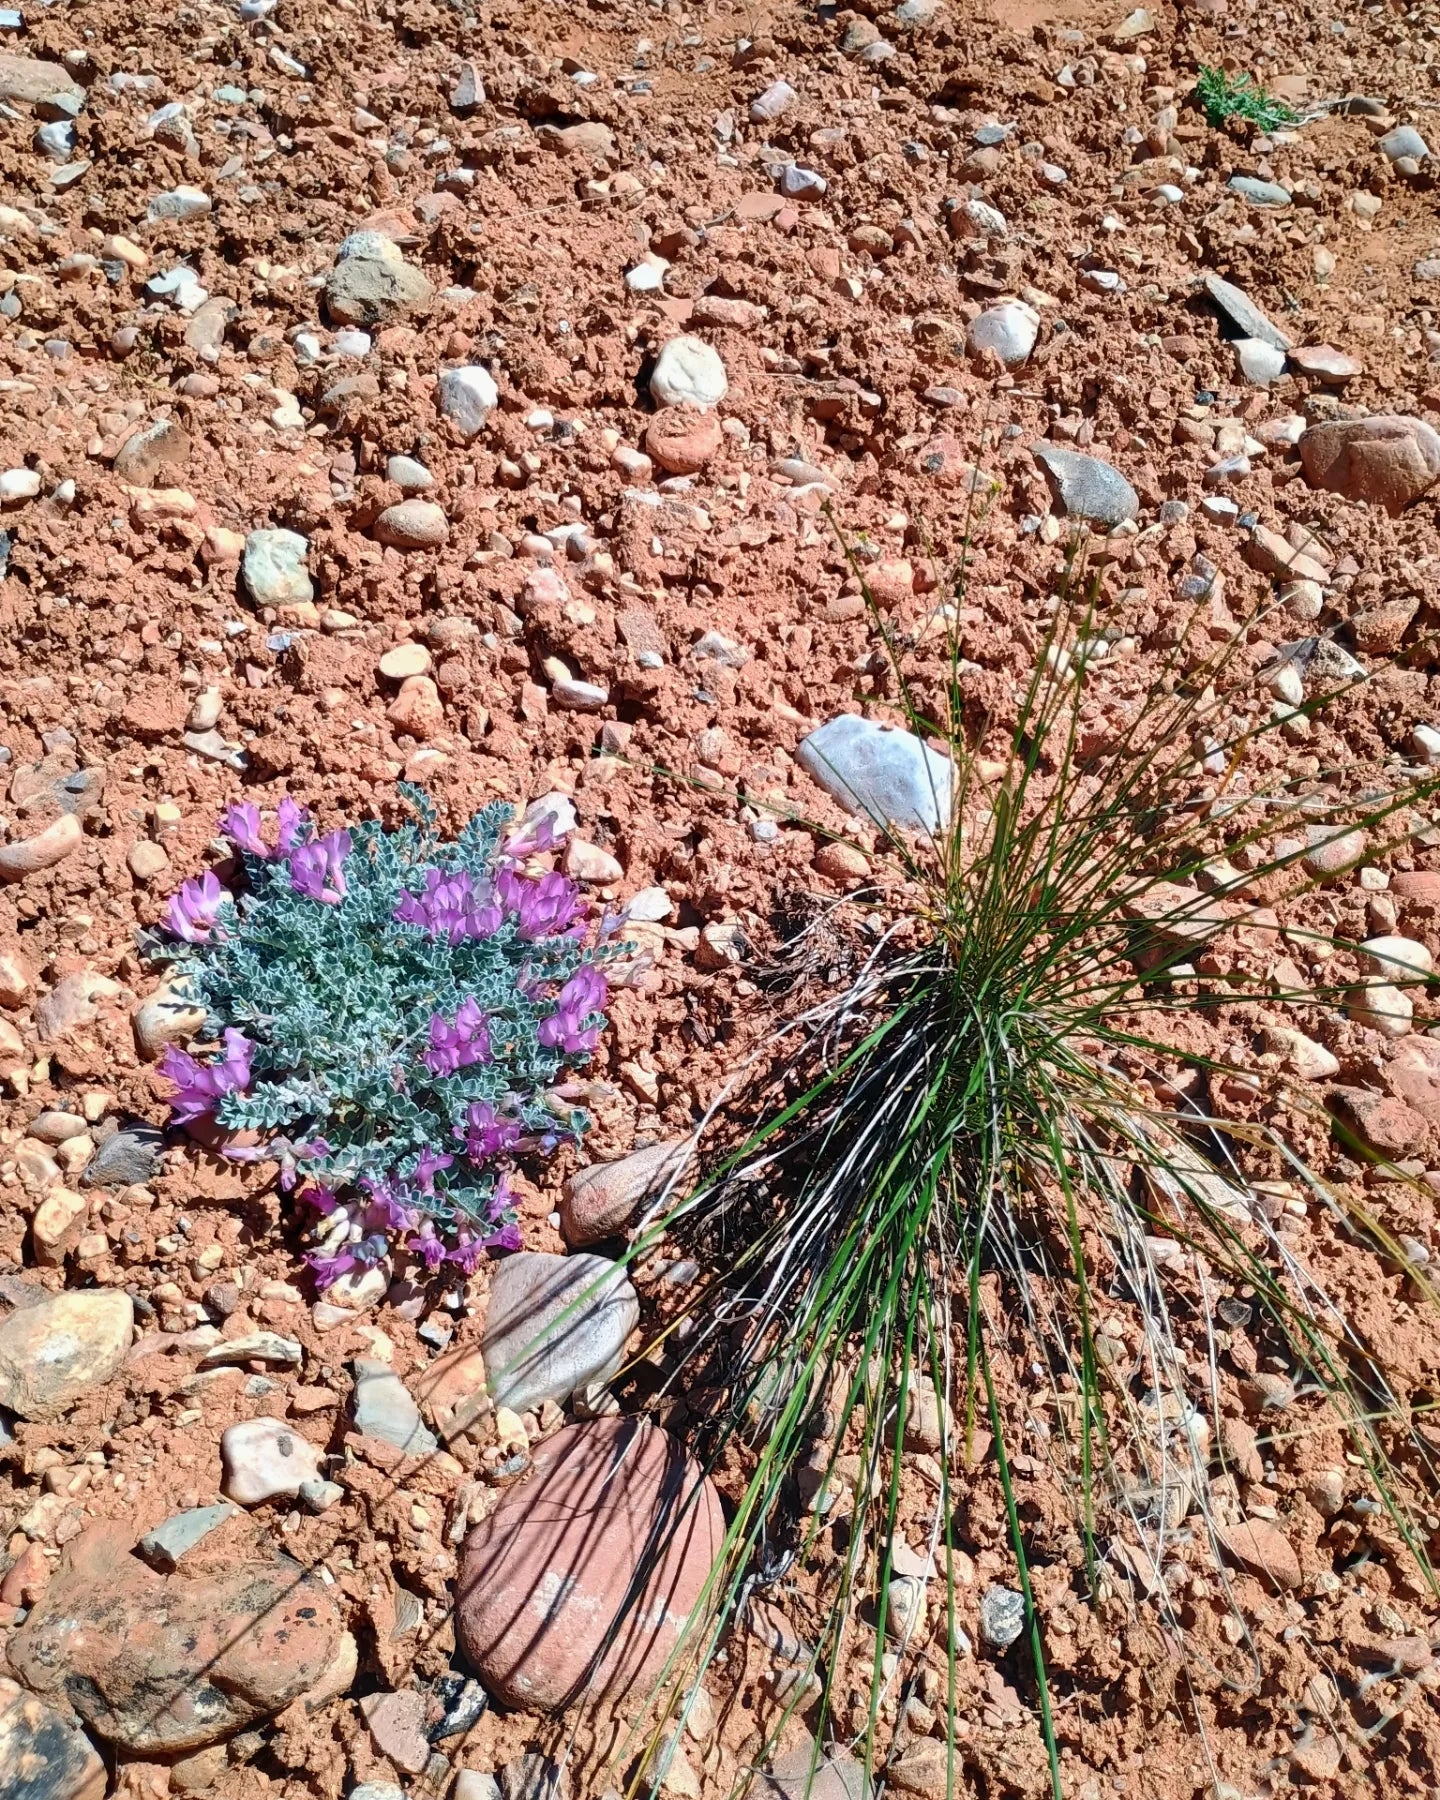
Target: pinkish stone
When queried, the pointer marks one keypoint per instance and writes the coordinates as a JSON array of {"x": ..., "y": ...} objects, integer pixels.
[{"x": 545, "y": 1608}]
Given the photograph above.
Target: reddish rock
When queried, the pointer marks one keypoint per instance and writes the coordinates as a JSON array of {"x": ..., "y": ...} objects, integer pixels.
[
  {"x": 682, "y": 439},
  {"x": 1417, "y": 884},
  {"x": 1388, "y": 460},
  {"x": 1390, "y": 1127},
  {"x": 170, "y": 1662},
  {"x": 1413, "y": 1076},
  {"x": 417, "y": 708},
  {"x": 1264, "y": 1550},
  {"x": 602, "y": 1200},
  {"x": 545, "y": 1606}
]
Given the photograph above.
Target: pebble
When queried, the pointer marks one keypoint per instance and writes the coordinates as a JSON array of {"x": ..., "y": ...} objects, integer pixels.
[
  {"x": 178, "y": 203},
  {"x": 805, "y": 1775},
  {"x": 688, "y": 371},
  {"x": 167, "y": 1017},
  {"x": 1263, "y": 1549},
  {"x": 165, "y": 1663},
  {"x": 397, "y": 1726},
  {"x": 18, "y": 484},
  {"x": 535, "y": 1604},
  {"x": 408, "y": 474},
  {"x": 467, "y": 397},
  {"x": 1009, "y": 329},
  {"x": 1400, "y": 960},
  {"x": 254, "y": 1346},
  {"x": 274, "y": 568},
  {"x": 27, "y": 856},
  {"x": 603, "y": 1200},
  {"x": 1328, "y": 364},
  {"x": 1333, "y": 851},
  {"x": 1259, "y": 193},
  {"x": 530, "y": 1357},
  {"x": 1086, "y": 488},
  {"x": 880, "y": 771},
  {"x": 413, "y": 525},
  {"x": 683, "y": 440},
  {"x": 1243, "y": 312},
  {"x": 374, "y": 289},
  {"x": 1002, "y": 1616},
  {"x": 798, "y": 183},
  {"x": 128, "y": 1157},
  {"x": 589, "y": 863},
  {"x": 54, "y": 1352},
  {"x": 1260, "y": 362},
  {"x": 164, "y": 1545},
  {"x": 778, "y": 98},
  {"x": 382, "y": 1407},
  {"x": 265, "y": 1459},
  {"x": 1403, "y": 141},
  {"x": 405, "y": 660}
]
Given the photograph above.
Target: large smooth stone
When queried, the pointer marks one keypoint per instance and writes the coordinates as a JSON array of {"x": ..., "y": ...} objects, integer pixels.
[
  {"x": 603, "y": 1199},
  {"x": 688, "y": 371},
  {"x": 53, "y": 1353},
  {"x": 172, "y": 1662},
  {"x": 554, "y": 1324},
  {"x": 545, "y": 1608},
  {"x": 879, "y": 770},
  {"x": 1388, "y": 460},
  {"x": 1085, "y": 487}
]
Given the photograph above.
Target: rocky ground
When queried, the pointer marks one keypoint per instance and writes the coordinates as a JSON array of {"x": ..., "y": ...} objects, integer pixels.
[{"x": 400, "y": 391}]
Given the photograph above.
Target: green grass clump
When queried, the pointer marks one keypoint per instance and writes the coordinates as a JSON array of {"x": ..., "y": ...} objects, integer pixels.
[
  {"x": 1226, "y": 97},
  {"x": 987, "y": 1145}
]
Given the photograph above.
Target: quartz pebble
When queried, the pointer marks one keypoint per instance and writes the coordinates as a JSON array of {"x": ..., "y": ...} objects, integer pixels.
[
  {"x": 265, "y": 1459},
  {"x": 688, "y": 371}
]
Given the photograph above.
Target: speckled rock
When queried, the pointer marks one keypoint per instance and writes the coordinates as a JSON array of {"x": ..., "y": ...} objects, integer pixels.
[
  {"x": 602, "y": 1200},
  {"x": 52, "y": 1353},
  {"x": 42, "y": 1755},
  {"x": 1388, "y": 460},
  {"x": 545, "y": 1579},
  {"x": 171, "y": 1662},
  {"x": 1086, "y": 488}
]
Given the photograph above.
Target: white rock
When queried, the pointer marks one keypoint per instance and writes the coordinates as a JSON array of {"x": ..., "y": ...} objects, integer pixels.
[
  {"x": 689, "y": 370},
  {"x": 802, "y": 184},
  {"x": 588, "y": 862},
  {"x": 779, "y": 97},
  {"x": 178, "y": 203},
  {"x": 558, "y": 808},
  {"x": 881, "y": 771},
  {"x": 647, "y": 277},
  {"x": 1399, "y": 959},
  {"x": 977, "y": 218},
  {"x": 468, "y": 396},
  {"x": 370, "y": 246},
  {"x": 1009, "y": 329},
  {"x": 1260, "y": 363},
  {"x": 181, "y": 286},
  {"x": 18, "y": 484},
  {"x": 1383, "y": 1008},
  {"x": 409, "y": 474},
  {"x": 274, "y": 568},
  {"x": 265, "y": 1458},
  {"x": 650, "y": 906},
  {"x": 578, "y": 696},
  {"x": 1425, "y": 739},
  {"x": 351, "y": 342}
]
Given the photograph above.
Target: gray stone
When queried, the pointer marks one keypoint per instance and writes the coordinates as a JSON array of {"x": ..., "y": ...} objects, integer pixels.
[
  {"x": 178, "y": 203},
  {"x": 1404, "y": 140},
  {"x": 468, "y": 91},
  {"x": 1260, "y": 362},
  {"x": 36, "y": 83},
  {"x": 127, "y": 1158},
  {"x": 802, "y": 184},
  {"x": 1009, "y": 329},
  {"x": 554, "y": 1324},
  {"x": 274, "y": 568},
  {"x": 834, "y": 1777},
  {"x": 1243, "y": 312},
  {"x": 366, "y": 290},
  {"x": 255, "y": 1346},
  {"x": 1086, "y": 488},
  {"x": 1002, "y": 1616},
  {"x": 779, "y": 97},
  {"x": 603, "y": 1199},
  {"x": 688, "y": 371},
  {"x": 409, "y": 474},
  {"x": 1259, "y": 193},
  {"x": 43, "y": 1754},
  {"x": 467, "y": 397},
  {"x": 533, "y": 1777},
  {"x": 163, "y": 1547},
  {"x": 383, "y": 1408},
  {"x": 56, "y": 140},
  {"x": 376, "y": 1790},
  {"x": 880, "y": 771}
]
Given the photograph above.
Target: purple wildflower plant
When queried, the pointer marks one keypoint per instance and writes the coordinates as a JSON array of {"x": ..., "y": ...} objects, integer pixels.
[{"x": 401, "y": 1020}]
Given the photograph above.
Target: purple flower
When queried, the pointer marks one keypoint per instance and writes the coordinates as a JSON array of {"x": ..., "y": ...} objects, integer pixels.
[
  {"x": 583, "y": 994},
  {"x": 451, "y": 907},
  {"x": 428, "y": 1165},
  {"x": 455, "y": 1045},
  {"x": 198, "y": 1086},
  {"x": 242, "y": 826},
  {"x": 328, "y": 1269},
  {"x": 323, "y": 1199},
  {"x": 385, "y": 1210},
  {"x": 485, "y": 1133},
  {"x": 545, "y": 908},
  {"x": 290, "y": 819},
  {"x": 317, "y": 870},
  {"x": 192, "y": 912},
  {"x": 530, "y": 836},
  {"x": 425, "y": 1244}
]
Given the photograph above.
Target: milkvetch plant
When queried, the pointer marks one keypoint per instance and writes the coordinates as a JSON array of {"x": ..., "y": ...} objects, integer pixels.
[{"x": 393, "y": 1018}]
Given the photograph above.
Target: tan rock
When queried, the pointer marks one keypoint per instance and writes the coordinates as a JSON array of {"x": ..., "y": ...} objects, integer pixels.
[
  {"x": 404, "y": 660},
  {"x": 417, "y": 708},
  {"x": 1263, "y": 1549},
  {"x": 413, "y": 525},
  {"x": 603, "y": 1200},
  {"x": 841, "y": 862},
  {"x": 52, "y": 1353},
  {"x": 56, "y": 1224},
  {"x": 1388, "y": 460},
  {"x": 45, "y": 848}
]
